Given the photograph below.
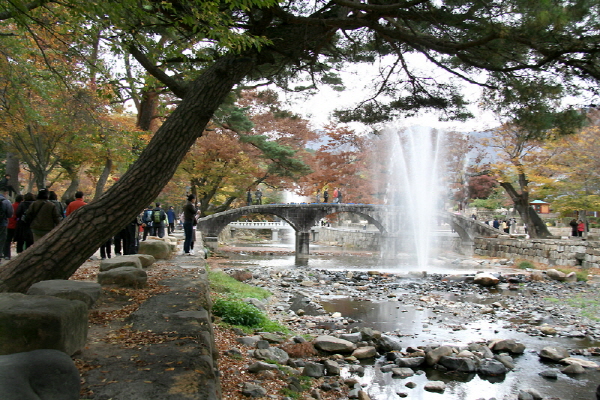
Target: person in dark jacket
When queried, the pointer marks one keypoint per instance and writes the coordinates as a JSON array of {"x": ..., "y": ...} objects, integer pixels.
[
  {"x": 189, "y": 215},
  {"x": 23, "y": 234},
  {"x": 159, "y": 218},
  {"x": 7, "y": 212},
  {"x": 11, "y": 227},
  {"x": 42, "y": 216}
]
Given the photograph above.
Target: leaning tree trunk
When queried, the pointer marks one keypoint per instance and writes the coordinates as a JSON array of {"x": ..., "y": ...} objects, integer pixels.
[
  {"x": 13, "y": 168},
  {"x": 59, "y": 254},
  {"x": 536, "y": 228}
]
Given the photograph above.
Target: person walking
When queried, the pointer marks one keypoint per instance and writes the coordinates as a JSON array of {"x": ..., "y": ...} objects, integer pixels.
[
  {"x": 580, "y": 228},
  {"x": 171, "y": 220},
  {"x": 105, "y": 249},
  {"x": 189, "y": 216},
  {"x": 258, "y": 196},
  {"x": 147, "y": 222},
  {"x": 318, "y": 197},
  {"x": 335, "y": 195},
  {"x": 42, "y": 216},
  {"x": 339, "y": 196},
  {"x": 249, "y": 198},
  {"x": 325, "y": 196},
  {"x": 159, "y": 218},
  {"x": 75, "y": 204},
  {"x": 6, "y": 211},
  {"x": 573, "y": 225},
  {"x": 11, "y": 227},
  {"x": 23, "y": 234},
  {"x": 53, "y": 198}
]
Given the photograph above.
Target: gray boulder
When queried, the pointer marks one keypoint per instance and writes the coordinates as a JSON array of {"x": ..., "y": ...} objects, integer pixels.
[
  {"x": 41, "y": 322},
  {"x": 272, "y": 353},
  {"x": 332, "y": 344},
  {"x": 410, "y": 362},
  {"x": 252, "y": 390},
  {"x": 485, "y": 279},
  {"x": 461, "y": 364},
  {"x": 124, "y": 277},
  {"x": 492, "y": 368},
  {"x": 332, "y": 368},
  {"x": 313, "y": 369},
  {"x": 88, "y": 292},
  {"x": 554, "y": 353},
  {"x": 120, "y": 261},
  {"x": 261, "y": 366},
  {"x": 508, "y": 345},
  {"x": 39, "y": 374},
  {"x": 435, "y": 386},
  {"x": 403, "y": 372},
  {"x": 433, "y": 356},
  {"x": 159, "y": 249},
  {"x": 146, "y": 259},
  {"x": 365, "y": 352}
]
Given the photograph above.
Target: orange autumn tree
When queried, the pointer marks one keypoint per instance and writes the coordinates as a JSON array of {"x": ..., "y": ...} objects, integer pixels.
[
  {"x": 250, "y": 142},
  {"x": 346, "y": 160}
]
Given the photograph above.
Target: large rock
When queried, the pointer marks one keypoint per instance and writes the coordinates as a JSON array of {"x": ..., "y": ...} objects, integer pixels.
[
  {"x": 41, "y": 322},
  {"x": 272, "y": 353},
  {"x": 88, "y": 292},
  {"x": 556, "y": 275},
  {"x": 38, "y": 375},
  {"x": 492, "y": 368},
  {"x": 124, "y": 277},
  {"x": 461, "y": 364},
  {"x": 146, "y": 259},
  {"x": 509, "y": 345},
  {"x": 365, "y": 352},
  {"x": 120, "y": 261},
  {"x": 433, "y": 356},
  {"x": 332, "y": 344},
  {"x": 159, "y": 249},
  {"x": 554, "y": 353},
  {"x": 485, "y": 279}
]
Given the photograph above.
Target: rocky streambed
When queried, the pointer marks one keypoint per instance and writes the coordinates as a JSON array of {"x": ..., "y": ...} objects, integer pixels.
[{"x": 515, "y": 335}]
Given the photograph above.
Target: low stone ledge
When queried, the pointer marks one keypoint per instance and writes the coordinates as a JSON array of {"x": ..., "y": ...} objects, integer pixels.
[
  {"x": 41, "y": 322},
  {"x": 88, "y": 292}
]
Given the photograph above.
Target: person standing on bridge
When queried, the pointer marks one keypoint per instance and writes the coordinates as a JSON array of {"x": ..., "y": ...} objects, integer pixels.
[
  {"x": 339, "y": 196},
  {"x": 189, "y": 215},
  {"x": 258, "y": 195},
  {"x": 335, "y": 195},
  {"x": 249, "y": 198},
  {"x": 325, "y": 195}
]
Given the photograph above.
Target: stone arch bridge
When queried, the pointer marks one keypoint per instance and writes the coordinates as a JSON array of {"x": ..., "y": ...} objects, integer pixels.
[{"x": 303, "y": 217}]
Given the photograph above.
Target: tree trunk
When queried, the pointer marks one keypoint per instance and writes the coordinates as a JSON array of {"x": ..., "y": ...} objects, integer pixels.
[
  {"x": 147, "y": 112},
  {"x": 103, "y": 178},
  {"x": 13, "y": 168},
  {"x": 73, "y": 173},
  {"x": 59, "y": 254},
  {"x": 536, "y": 228}
]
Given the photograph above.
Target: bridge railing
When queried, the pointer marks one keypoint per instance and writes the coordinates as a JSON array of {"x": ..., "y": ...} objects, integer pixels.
[{"x": 259, "y": 225}]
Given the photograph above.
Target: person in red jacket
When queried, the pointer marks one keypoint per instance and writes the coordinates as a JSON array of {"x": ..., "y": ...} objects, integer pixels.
[
  {"x": 11, "y": 227},
  {"x": 78, "y": 202}
]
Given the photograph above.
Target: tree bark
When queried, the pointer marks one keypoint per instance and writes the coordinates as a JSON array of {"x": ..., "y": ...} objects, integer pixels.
[
  {"x": 59, "y": 254},
  {"x": 103, "y": 177},
  {"x": 536, "y": 228},
  {"x": 13, "y": 169}
]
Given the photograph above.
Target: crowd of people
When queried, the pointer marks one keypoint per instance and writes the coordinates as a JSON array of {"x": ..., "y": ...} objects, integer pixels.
[
  {"x": 337, "y": 195},
  {"x": 30, "y": 217}
]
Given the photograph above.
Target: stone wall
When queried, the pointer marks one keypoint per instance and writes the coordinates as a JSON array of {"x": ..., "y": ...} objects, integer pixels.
[
  {"x": 564, "y": 252},
  {"x": 349, "y": 239}
]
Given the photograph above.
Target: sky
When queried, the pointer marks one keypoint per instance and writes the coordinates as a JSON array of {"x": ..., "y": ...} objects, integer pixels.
[{"x": 358, "y": 80}]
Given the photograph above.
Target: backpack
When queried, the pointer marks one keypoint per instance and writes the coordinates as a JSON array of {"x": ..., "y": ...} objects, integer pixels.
[{"x": 156, "y": 217}]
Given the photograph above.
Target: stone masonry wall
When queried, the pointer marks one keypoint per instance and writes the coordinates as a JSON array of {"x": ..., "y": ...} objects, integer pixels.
[
  {"x": 350, "y": 239},
  {"x": 565, "y": 252}
]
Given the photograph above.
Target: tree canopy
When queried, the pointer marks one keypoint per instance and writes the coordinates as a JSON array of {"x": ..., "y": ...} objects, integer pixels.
[{"x": 525, "y": 54}]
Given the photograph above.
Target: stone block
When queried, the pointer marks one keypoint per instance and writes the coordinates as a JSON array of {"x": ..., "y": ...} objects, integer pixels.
[
  {"x": 39, "y": 374},
  {"x": 88, "y": 292},
  {"x": 159, "y": 249},
  {"x": 124, "y": 277},
  {"x": 41, "y": 322},
  {"x": 120, "y": 261}
]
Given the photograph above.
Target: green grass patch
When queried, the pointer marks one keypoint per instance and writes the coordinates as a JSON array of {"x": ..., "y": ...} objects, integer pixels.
[
  {"x": 589, "y": 308},
  {"x": 525, "y": 265},
  {"x": 222, "y": 283}
]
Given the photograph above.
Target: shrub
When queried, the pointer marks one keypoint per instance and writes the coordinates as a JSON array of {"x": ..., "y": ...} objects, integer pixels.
[
  {"x": 237, "y": 312},
  {"x": 526, "y": 265}
]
